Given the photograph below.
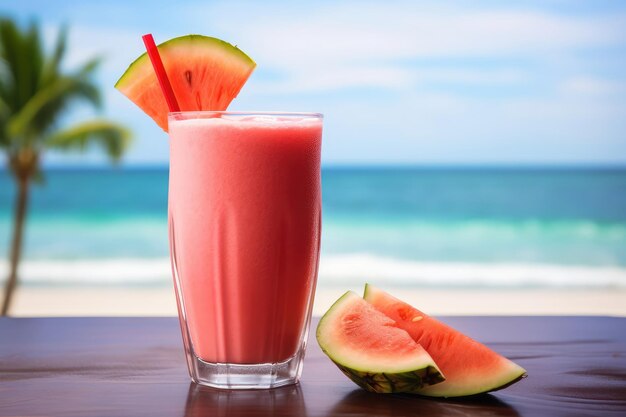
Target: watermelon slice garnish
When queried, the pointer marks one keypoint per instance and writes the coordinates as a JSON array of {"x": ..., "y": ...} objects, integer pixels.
[
  {"x": 205, "y": 73},
  {"x": 372, "y": 351},
  {"x": 469, "y": 367}
]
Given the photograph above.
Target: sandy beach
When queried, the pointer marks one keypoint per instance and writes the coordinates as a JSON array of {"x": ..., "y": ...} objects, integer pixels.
[{"x": 116, "y": 301}]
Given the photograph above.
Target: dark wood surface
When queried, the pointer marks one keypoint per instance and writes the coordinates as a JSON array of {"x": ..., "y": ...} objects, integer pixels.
[{"x": 135, "y": 367}]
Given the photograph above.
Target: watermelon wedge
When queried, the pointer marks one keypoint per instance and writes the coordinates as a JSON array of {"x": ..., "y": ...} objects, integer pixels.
[
  {"x": 469, "y": 366},
  {"x": 372, "y": 351},
  {"x": 205, "y": 73}
]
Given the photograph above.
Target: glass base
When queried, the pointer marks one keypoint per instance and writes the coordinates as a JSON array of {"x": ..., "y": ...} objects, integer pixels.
[{"x": 237, "y": 376}]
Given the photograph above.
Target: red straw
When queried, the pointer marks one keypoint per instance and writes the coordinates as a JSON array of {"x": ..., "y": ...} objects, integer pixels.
[{"x": 159, "y": 69}]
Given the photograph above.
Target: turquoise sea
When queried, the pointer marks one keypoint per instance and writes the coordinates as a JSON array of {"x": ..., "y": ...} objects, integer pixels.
[{"x": 468, "y": 227}]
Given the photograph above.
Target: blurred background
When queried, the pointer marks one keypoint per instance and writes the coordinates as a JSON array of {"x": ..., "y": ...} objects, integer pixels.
[{"x": 474, "y": 156}]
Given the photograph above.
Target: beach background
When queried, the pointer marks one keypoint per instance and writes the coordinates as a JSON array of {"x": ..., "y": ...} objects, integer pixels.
[
  {"x": 474, "y": 154},
  {"x": 478, "y": 240}
]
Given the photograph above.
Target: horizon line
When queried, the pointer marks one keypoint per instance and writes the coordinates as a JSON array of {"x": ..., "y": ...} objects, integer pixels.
[{"x": 339, "y": 166}]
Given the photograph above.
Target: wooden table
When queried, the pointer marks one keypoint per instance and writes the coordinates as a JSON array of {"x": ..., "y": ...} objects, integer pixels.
[{"x": 135, "y": 367}]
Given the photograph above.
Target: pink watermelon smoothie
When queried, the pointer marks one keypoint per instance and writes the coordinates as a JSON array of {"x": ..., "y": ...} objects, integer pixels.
[{"x": 245, "y": 218}]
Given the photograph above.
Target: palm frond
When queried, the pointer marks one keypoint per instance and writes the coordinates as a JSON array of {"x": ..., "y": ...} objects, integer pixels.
[
  {"x": 4, "y": 115},
  {"x": 23, "y": 57},
  {"x": 112, "y": 137},
  {"x": 41, "y": 110},
  {"x": 52, "y": 66},
  {"x": 89, "y": 67},
  {"x": 10, "y": 43},
  {"x": 4, "y": 111},
  {"x": 34, "y": 54},
  {"x": 5, "y": 87},
  {"x": 81, "y": 90}
]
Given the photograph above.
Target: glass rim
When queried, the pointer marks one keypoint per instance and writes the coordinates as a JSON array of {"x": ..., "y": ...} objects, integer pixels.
[{"x": 199, "y": 113}]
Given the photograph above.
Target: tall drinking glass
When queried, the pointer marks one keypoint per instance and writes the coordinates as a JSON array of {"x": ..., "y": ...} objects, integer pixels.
[{"x": 244, "y": 229}]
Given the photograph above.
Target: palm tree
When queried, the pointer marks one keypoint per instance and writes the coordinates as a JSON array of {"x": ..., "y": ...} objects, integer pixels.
[{"x": 35, "y": 93}]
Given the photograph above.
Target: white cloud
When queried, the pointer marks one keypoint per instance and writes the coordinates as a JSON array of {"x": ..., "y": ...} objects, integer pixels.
[
  {"x": 385, "y": 77},
  {"x": 472, "y": 76},
  {"x": 589, "y": 85},
  {"x": 353, "y": 44},
  {"x": 341, "y": 77}
]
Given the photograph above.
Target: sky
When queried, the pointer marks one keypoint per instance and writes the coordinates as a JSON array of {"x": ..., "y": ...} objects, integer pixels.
[{"x": 399, "y": 82}]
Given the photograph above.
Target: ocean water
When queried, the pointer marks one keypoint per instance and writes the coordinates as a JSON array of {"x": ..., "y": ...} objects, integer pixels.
[{"x": 435, "y": 227}]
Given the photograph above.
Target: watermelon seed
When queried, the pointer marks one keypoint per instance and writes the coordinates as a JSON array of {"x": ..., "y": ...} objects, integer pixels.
[
  {"x": 416, "y": 319},
  {"x": 188, "y": 77}
]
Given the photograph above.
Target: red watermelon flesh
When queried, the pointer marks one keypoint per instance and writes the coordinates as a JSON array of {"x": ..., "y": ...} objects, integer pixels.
[
  {"x": 469, "y": 366},
  {"x": 205, "y": 73}
]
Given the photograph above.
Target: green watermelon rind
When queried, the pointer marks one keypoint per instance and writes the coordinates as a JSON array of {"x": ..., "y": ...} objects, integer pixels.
[
  {"x": 390, "y": 383},
  {"x": 183, "y": 41},
  {"x": 407, "y": 380},
  {"x": 515, "y": 374}
]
